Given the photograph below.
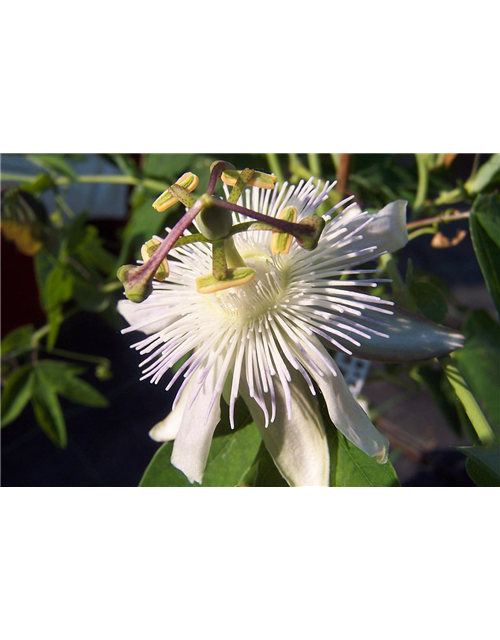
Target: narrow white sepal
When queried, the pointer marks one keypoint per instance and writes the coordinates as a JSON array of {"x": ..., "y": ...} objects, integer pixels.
[
  {"x": 168, "y": 428},
  {"x": 192, "y": 444},
  {"x": 298, "y": 446},
  {"x": 388, "y": 229},
  {"x": 345, "y": 412}
]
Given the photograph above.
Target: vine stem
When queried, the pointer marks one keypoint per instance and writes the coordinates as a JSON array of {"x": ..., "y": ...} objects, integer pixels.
[
  {"x": 444, "y": 218},
  {"x": 423, "y": 181},
  {"x": 314, "y": 164},
  {"x": 343, "y": 172},
  {"x": 89, "y": 179}
]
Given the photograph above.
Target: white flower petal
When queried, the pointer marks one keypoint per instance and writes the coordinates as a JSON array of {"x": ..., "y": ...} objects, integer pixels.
[
  {"x": 344, "y": 410},
  {"x": 168, "y": 428},
  {"x": 297, "y": 446},
  {"x": 147, "y": 316},
  {"x": 192, "y": 444},
  {"x": 388, "y": 228},
  {"x": 410, "y": 338}
]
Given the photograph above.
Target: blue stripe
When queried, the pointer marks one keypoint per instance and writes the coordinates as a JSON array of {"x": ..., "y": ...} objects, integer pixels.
[
  {"x": 250, "y": 561},
  {"x": 272, "y": 563},
  {"x": 333, "y": 564}
]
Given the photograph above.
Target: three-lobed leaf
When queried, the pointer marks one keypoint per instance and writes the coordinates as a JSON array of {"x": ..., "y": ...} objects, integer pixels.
[
  {"x": 47, "y": 409},
  {"x": 18, "y": 339},
  {"x": 63, "y": 378},
  {"x": 16, "y": 393}
]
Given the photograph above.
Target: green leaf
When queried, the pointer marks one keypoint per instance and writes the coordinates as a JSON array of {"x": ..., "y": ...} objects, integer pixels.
[
  {"x": 88, "y": 296},
  {"x": 53, "y": 369},
  {"x": 47, "y": 409},
  {"x": 64, "y": 381},
  {"x": 351, "y": 467},
  {"x": 167, "y": 166},
  {"x": 483, "y": 465},
  {"x": 478, "y": 362},
  {"x": 38, "y": 185},
  {"x": 142, "y": 225},
  {"x": 76, "y": 232},
  {"x": 16, "y": 393},
  {"x": 55, "y": 318},
  {"x": 17, "y": 339},
  {"x": 267, "y": 472},
  {"x": 124, "y": 162},
  {"x": 43, "y": 267},
  {"x": 485, "y": 233},
  {"x": 469, "y": 402},
  {"x": 482, "y": 178},
  {"x": 429, "y": 300},
  {"x": 53, "y": 163},
  {"x": 92, "y": 253},
  {"x": 58, "y": 288},
  {"x": 228, "y": 463}
]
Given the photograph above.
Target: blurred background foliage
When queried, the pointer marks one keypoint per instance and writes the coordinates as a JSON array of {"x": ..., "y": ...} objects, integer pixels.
[{"x": 60, "y": 256}]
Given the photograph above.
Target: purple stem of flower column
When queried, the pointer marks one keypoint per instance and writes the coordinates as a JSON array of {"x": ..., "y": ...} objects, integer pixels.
[
  {"x": 216, "y": 174},
  {"x": 152, "y": 265},
  {"x": 293, "y": 228}
]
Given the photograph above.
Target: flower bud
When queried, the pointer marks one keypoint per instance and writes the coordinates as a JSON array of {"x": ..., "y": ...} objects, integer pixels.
[
  {"x": 137, "y": 284},
  {"x": 188, "y": 181}
]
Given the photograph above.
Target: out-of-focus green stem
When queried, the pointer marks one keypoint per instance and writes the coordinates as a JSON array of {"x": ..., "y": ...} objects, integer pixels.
[
  {"x": 297, "y": 168},
  {"x": 335, "y": 160},
  {"x": 275, "y": 166},
  {"x": 469, "y": 403},
  {"x": 90, "y": 179},
  {"x": 421, "y": 232},
  {"x": 43, "y": 331},
  {"x": 314, "y": 164},
  {"x": 82, "y": 357},
  {"x": 423, "y": 181}
]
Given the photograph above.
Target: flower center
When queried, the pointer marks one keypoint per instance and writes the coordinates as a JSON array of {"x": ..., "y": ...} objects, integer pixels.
[{"x": 260, "y": 296}]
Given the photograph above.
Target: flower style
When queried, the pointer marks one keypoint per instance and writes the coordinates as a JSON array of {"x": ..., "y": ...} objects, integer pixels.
[{"x": 270, "y": 340}]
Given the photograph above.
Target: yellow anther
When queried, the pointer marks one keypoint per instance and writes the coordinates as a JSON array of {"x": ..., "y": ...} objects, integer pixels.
[
  {"x": 281, "y": 242},
  {"x": 234, "y": 278},
  {"x": 147, "y": 251},
  {"x": 259, "y": 179},
  {"x": 188, "y": 181}
]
